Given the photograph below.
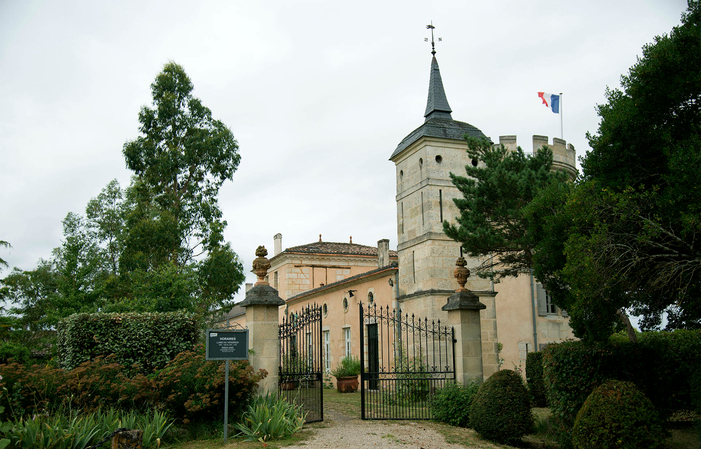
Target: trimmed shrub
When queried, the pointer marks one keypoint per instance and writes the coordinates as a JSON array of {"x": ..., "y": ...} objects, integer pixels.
[
  {"x": 451, "y": 404},
  {"x": 140, "y": 341},
  {"x": 617, "y": 415},
  {"x": 661, "y": 365},
  {"x": 534, "y": 377},
  {"x": 501, "y": 409}
]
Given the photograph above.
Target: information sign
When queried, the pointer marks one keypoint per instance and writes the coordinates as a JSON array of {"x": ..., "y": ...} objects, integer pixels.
[{"x": 227, "y": 344}]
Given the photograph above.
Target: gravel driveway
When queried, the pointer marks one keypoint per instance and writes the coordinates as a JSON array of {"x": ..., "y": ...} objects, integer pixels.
[{"x": 341, "y": 431}]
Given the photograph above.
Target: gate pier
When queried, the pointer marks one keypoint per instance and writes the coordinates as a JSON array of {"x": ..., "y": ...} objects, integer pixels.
[
  {"x": 463, "y": 309},
  {"x": 262, "y": 303}
]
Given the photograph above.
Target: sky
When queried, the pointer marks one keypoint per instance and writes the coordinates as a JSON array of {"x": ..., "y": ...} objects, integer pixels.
[{"x": 317, "y": 93}]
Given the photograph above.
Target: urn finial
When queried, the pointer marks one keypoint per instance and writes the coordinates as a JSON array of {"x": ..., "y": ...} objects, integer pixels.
[
  {"x": 461, "y": 273},
  {"x": 261, "y": 265}
]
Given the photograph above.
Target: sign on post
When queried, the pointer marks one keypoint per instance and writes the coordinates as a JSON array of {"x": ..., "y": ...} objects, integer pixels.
[{"x": 227, "y": 344}]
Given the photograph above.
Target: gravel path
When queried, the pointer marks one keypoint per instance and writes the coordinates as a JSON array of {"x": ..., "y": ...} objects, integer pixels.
[{"x": 341, "y": 431}]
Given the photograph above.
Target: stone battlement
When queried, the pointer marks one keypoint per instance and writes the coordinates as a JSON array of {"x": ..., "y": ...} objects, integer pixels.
[{"x": 564, "y": 154}]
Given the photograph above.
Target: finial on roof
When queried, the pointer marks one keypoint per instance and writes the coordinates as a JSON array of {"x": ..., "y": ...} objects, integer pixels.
[
  {"x": 437, "y": 104},
  {"x": 351, "y": 239},
  {"x": 319, "y": 237},
  {"x": 433, "y": 42}
]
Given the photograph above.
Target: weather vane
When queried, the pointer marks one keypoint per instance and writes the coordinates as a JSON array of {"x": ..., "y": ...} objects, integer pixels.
[{"x": 433, "y": 43}]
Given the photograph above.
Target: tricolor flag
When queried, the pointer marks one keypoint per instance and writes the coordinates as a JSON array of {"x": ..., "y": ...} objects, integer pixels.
[{"x": 551, "y": 101}]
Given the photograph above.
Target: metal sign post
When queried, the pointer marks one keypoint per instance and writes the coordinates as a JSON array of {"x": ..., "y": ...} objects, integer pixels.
[{"x": 227, "y": 344}]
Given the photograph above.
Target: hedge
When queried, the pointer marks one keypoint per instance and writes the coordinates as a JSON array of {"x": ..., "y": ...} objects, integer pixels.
[
  {"x": 534, "y": 377},
  {"x": 141, "y": 342},
  {"x": 663, "y": 365}
]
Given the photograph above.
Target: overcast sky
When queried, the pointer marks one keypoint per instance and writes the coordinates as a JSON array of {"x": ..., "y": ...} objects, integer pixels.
[{"x": 318, "y": 95}]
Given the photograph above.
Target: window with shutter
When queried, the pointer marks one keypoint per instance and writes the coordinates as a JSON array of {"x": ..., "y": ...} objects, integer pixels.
[{"x": 542, "y": 300}]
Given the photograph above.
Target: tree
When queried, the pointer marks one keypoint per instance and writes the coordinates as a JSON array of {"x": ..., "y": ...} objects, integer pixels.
[
  {"x": 639, "y": 235},
  {"x": 181, "y": 160},
  {"x": 492, "y": 225}
]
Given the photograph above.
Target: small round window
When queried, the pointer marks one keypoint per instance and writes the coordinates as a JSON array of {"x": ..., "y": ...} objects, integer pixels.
[
  {"x": 439, "y": 159},
  {"x": 371, "y": 299},
  {"x": 325, "y": 309},
  {"x": 345, "y": 304},
  {"x": 475, "y": 162}
]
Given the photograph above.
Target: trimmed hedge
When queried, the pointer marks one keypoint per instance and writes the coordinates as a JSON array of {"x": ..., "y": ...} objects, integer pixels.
[
  {"x": 617, "y": 415},
  {"x": 501, "y": 409},
  {"x": 534, "y": 377},
  {"x": 662, "y": 365},
  {"x": 141, "y": 342}
]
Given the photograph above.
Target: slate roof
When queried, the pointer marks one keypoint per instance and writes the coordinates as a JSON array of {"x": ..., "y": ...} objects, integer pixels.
[
  {"x": 335, "y": 248},
  {"x": 439, "y": 122},
  {"x": 391, "y": 266}
]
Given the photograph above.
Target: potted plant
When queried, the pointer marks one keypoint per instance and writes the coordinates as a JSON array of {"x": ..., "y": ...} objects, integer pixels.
[{"x": 346, "y": 374}]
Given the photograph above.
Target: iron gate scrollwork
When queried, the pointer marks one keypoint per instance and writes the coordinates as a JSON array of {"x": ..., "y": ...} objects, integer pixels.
[
  {"x": 301, "y": 361},
  {"x": 404, "y": 361}
]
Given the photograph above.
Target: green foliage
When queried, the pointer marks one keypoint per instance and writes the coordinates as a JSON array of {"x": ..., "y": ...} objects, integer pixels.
[
  {"x": 451, "y": 404},
  {"x": 14, "y": 351},
  {"x": 148, "y": 340},
  {"x": 192, "y": 388},
  {"x": 491, "y": 221},
  {"x": 501, "y": 410},
  {"x": 635, "y": 218},
  {"x": 348, "y": 366},
  {"x": 269, "y": 418},
  {"x": 68, "y": 429},
  {"x": 661, "y": 364},
  {"x": 534, "y": 377},
  {"x": 617, "y": 415},
  {"x": 4, "y": 244}
]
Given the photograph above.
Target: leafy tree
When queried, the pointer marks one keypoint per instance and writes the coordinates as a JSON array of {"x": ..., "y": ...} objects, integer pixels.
[
  {"x": 181, "y": 160},
  {"x": 635, "y": 234},
  {"x": 492, "y": 225}
]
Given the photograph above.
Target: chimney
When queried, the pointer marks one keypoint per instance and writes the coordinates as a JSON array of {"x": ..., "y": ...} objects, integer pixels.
[
  {"x": 249, "y": 285},
  {"x": 277, "y": 244},
  {"x": 383, "y": 253}
]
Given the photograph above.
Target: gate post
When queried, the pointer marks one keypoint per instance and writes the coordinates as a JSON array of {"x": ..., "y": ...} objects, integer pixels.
[
  {"x": 262, "y": 320},
  {"x": 463, "y": 309}
]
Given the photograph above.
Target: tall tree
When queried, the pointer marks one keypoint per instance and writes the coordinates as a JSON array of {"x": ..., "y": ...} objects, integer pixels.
[
  {"x": 181, "y": 160},
  {"x": 492, "y": 225}
]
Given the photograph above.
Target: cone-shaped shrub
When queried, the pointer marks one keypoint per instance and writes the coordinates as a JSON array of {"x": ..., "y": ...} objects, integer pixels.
[
  {"x": 501, "y": 409},
  {"x": 617, "y": 415}
]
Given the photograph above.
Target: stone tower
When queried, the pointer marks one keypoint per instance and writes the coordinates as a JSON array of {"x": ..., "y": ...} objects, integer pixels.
[{"x": 424, "y": 160}]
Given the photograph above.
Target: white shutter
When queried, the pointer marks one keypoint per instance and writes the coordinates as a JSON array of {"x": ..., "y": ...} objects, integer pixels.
[{"x": 540, "y": 295}]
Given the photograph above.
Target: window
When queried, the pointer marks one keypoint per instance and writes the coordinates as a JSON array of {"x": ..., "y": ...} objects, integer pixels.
[
  {"x": 371, "y": 299},
  {"x": 545, "y": 304},
  {"x": 347, "y": 337},
  {"x": 325, "y": 309},
  {"x": 275, "y": 280},
  {"x": 345, "y": 304},
  {"x": 327, "y": 351}
]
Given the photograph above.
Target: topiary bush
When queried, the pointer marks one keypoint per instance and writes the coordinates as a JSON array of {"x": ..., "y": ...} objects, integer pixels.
[
  {"x": 501, "y": 409},
  {"x": 451, "y": 404},
  {"x": 534, "y": 377},
  {"x": 617, "y": 415}
]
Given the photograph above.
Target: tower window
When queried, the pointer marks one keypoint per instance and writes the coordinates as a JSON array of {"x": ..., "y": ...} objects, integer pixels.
[
  {"x": 475, "y": 162},
  {"x": 439, "y": 159}
]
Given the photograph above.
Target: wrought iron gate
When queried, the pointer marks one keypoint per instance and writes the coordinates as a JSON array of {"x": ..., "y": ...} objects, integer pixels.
[
  {"x": 404, "y": 361},
  {"x": 301, "y": 361}
]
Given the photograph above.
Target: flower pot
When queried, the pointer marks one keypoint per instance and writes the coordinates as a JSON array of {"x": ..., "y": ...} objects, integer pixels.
[{"x": 347, "y": 384}]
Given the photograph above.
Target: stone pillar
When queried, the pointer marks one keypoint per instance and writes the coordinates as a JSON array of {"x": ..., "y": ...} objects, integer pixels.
[
  {"x": 463, "y": 309},
  {"x": 262, "y": 303}
]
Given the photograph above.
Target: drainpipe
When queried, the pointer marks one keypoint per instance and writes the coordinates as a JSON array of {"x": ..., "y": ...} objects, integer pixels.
[{"x": 533, "y": 306}]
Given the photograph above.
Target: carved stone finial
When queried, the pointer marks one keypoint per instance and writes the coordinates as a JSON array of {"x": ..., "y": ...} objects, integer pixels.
[
  {"x": 461, "y": 274},
  {"x": 261, "y": 265},
  {"x": 320, "y": 237}
]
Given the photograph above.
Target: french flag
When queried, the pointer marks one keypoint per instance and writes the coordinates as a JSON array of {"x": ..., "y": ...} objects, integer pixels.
[{"x": 551, "y": 101}]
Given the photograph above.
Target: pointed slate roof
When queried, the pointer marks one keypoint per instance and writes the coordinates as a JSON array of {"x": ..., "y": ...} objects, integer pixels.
[
  {"x": 439, "y": 121},
  {"x": 437, "y": 104}
]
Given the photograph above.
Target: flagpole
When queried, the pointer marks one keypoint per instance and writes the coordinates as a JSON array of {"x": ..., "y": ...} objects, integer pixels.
[{"x": 562, "y": 113}]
